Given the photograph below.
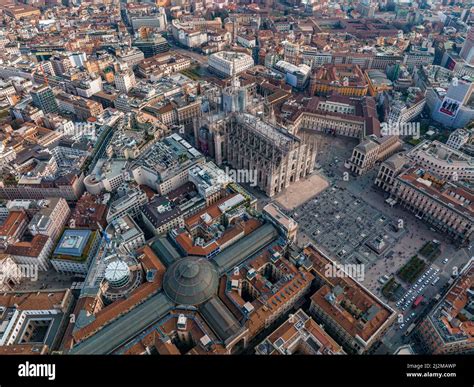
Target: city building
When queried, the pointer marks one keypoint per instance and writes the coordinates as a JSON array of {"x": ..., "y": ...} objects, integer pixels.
[
  {"x": 452, "y": 105},
  {"x": 458, "y": 138},
  {"x": 89, "y": 212},
  {"x": 296, "y": 76},
  {"x": 81, "y": 107},
  {"x": 193, "y": 32},
  {"x": 418, "y": 56},
  {"x": 130, "y": 56},
  {"x": 126, "y": 233},
  {"x": 205, "y": 233},
  {"x": 165, "y": 213},
  {"x": 161, "y": 216},
  {"x": 336, "y": 114},
  {"x": 75, "y": 251},
  {"x": 69, "y": 186},
  {"x": 406, "y": 107},
  {"x": 467, "y": 50},
  {"x": 151, "y": 46},
  {"x": 229, "y": 63},
  {"x": 107, "y": 175},
  {"x": 35, "y": 252},
  {"x": 443, "y": 161},
  {"x": 124, "y": 81},
  {"x": 389, "y": 170},
  {"x": 446, "y": 330},
  {"x": 445, "y": 205},
  {"x": 287, "y": 225},
  {"x": 61, "y": 63},
  {"x": 266, "y": 287},
  {"x": 129, "y": 203},
  {"x": 11, "y": 273},
  {"x": 13, "y": 227},
  {"x": 159, "y": 65},
  {"x": 20, "y": 11},
  {"x": 299, "y": 335},
  {"x": 51, "y": 218},
  {"x": 350, "y": 313},
  {"x": 33, "y": 321},
  {"x": 378, "y": 82},
  {"x": 344, "y": 79},
  {"x": 44, "y": 99},
  {"x": 210, "y": 181},
  {"x": 281, "y": 160},
  {"x": 152, "y": 17},
  {"x": 165, "y": 166},
  {"x": 371, "y": 150}
]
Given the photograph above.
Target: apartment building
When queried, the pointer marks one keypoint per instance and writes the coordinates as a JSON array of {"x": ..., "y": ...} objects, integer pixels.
[
  {"x": 13, "y": 227},
  {"x": 51, "y": 218},
  {"x": 350, "y": 313},
  {"x": 445, "y": 330},
  {"x": 300, "y": 334},
  {"x": 35, "y": 252},
  {"x": 124, "y": 81},
  {"x": 33, "y": 321}
]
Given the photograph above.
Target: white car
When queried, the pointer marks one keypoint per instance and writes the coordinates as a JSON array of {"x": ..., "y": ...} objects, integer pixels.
[{"x": 445, "y": 261}]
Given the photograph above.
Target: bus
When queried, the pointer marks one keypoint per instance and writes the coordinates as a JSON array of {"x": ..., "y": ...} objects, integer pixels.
[{"x": 417, "y": 301}]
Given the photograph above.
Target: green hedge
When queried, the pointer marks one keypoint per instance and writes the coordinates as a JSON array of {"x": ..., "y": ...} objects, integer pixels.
[{"x": 412, "y": 269}]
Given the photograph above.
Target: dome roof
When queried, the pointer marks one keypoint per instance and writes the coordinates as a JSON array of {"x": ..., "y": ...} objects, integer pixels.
[
  {"x": 190, "y": 281},
  {"x": 116, "y": 271}
]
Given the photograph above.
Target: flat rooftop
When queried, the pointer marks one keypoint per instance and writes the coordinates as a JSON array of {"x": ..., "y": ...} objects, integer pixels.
[{"x": 73, "y": 242}]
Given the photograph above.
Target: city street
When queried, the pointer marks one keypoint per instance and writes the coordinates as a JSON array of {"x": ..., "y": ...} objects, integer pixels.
[{"x": 47, "y": 280}]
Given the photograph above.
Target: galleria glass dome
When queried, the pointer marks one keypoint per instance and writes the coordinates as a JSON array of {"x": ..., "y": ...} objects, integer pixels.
[{"x": 190, "y": 281}]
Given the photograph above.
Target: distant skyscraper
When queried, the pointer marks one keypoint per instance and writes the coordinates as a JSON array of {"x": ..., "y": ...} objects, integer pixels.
[
  {"x": 43, "y": 98},
  {"x": 467, "y": 51}
]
